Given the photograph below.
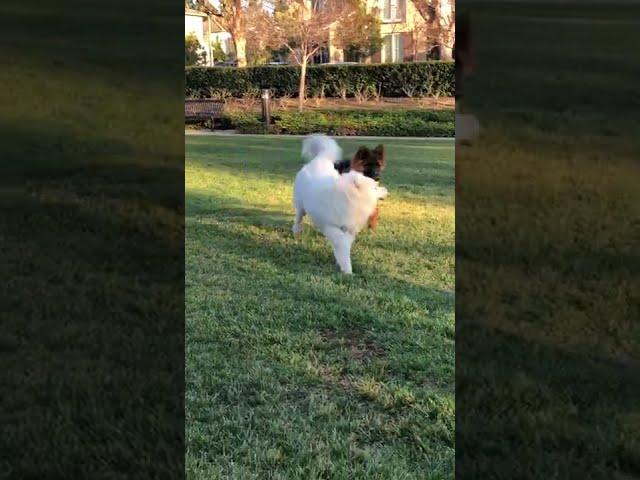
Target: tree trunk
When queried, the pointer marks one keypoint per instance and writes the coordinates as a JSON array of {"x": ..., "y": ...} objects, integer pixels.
[
  {"x": 446, "y": 53},
  {"x": 303, "y": 79},
  {"x": 446, "y": 22},
  {"x": 238, "y": 33},
  {"x": 241, "y": 50}
]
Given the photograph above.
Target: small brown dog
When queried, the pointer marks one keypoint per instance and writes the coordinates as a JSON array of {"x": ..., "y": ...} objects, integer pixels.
[{"x": 370, "y": 163}]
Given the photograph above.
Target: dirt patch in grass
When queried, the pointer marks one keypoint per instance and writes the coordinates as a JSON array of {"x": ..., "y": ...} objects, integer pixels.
[{"x": 358, "y": 346}]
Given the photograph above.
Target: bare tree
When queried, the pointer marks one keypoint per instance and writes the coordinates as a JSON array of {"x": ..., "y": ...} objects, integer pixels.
[{"x": 303, "y": 27}]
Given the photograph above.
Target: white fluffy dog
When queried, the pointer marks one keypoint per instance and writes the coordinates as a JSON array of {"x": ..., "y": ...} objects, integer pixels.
[{"x": 339, "y": 205}]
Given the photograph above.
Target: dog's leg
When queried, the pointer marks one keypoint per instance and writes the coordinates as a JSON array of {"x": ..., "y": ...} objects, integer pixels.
[
  {"x": 373, "y": 219},
  {"x": 341, "y": 242},
  {"x": 381, "y": 193},
  {"x": 297, "y": 225}
]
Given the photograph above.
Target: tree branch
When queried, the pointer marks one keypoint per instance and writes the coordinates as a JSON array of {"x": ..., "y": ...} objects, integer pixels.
[
  {"x": 313, "y": 51},
  {"x": 293, "y": 51}
]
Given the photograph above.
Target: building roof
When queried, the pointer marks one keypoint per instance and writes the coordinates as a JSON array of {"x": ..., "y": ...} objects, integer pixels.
[{"x": 194, "y": 13}]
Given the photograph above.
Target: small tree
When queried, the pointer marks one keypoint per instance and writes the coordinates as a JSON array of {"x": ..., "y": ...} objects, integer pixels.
[
  {"x": 359, "y": 33},
  {"x": 217, "y": 53},
  {"x": 194, "y": 53},
  {"x": 303, "y": 27}
]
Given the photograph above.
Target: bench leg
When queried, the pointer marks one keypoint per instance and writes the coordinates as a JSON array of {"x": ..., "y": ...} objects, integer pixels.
[{"x": 213, "y": 125}]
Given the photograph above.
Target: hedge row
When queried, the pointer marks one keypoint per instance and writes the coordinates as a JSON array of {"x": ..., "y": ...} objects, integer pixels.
[
  {"x": 417, "y": 79},
  {"x": 385, "y": 124}
]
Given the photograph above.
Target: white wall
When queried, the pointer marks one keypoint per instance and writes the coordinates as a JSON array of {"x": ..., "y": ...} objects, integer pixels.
[{"x": 195, "y": 25}]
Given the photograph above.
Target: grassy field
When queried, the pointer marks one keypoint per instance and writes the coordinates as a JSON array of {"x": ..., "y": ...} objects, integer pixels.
[
  {"x": 294, "y": 371},
  {"x": 547, "y": 260}
]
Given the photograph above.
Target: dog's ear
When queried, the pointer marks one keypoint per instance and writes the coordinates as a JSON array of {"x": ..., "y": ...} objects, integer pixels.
[
  {"x": 359, "y": 159},
  {"x": 379, "y": 151}
]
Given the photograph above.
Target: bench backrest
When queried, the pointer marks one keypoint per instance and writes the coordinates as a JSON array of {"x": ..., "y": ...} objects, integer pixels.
[{"x": 202, "y": 107}]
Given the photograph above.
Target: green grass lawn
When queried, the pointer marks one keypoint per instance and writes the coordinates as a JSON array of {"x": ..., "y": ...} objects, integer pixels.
[{"x": 293, "y": 370}]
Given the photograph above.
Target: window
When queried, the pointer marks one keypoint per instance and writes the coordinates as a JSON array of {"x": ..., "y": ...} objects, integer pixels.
[
  {"x": 394, "y": 10},
  {"x": 352, "y": 55},
  {"x": 318, "y": 5},
  {"x": 387, "y": 48},
  {"x": 322, "y": 56},
  {"x": 392, "y": 48}
]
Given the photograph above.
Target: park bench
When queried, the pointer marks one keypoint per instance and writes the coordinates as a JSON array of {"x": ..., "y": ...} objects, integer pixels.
[{"x": 203, "y": 109}]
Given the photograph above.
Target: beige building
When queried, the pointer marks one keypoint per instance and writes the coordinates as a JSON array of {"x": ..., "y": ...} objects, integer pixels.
[
  {"x": 411, "y": 31},
  {"x": 409, "y": 34}
]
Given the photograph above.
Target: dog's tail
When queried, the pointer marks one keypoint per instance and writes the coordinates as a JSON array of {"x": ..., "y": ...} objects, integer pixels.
[{"x": 319, "y": 144}]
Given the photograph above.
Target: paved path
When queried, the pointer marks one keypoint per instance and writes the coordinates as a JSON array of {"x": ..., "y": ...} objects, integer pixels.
[{"x": 231, "y": 133}]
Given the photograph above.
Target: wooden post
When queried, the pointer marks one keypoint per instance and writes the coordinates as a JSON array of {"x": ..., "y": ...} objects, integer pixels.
[{"x": 266, "y": 110}]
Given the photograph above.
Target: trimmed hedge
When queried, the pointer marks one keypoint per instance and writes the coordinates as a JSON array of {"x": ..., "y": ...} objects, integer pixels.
[
  {"x": 412, "y": 123},
  {"x": 389, "y": 80}
]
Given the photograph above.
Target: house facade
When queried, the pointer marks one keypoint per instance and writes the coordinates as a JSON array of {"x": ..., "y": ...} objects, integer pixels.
[
  {"x": 408, "y": 34},
  {"x": 410, "y": 31},
  {"x": 207, "y": 32},
  {"x": 196, "y": 23}
]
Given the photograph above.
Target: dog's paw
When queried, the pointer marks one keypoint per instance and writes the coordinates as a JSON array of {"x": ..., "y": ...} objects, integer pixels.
[
  {"x": 344, "y": 271},
  {"x": 297, "y": 229}
]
